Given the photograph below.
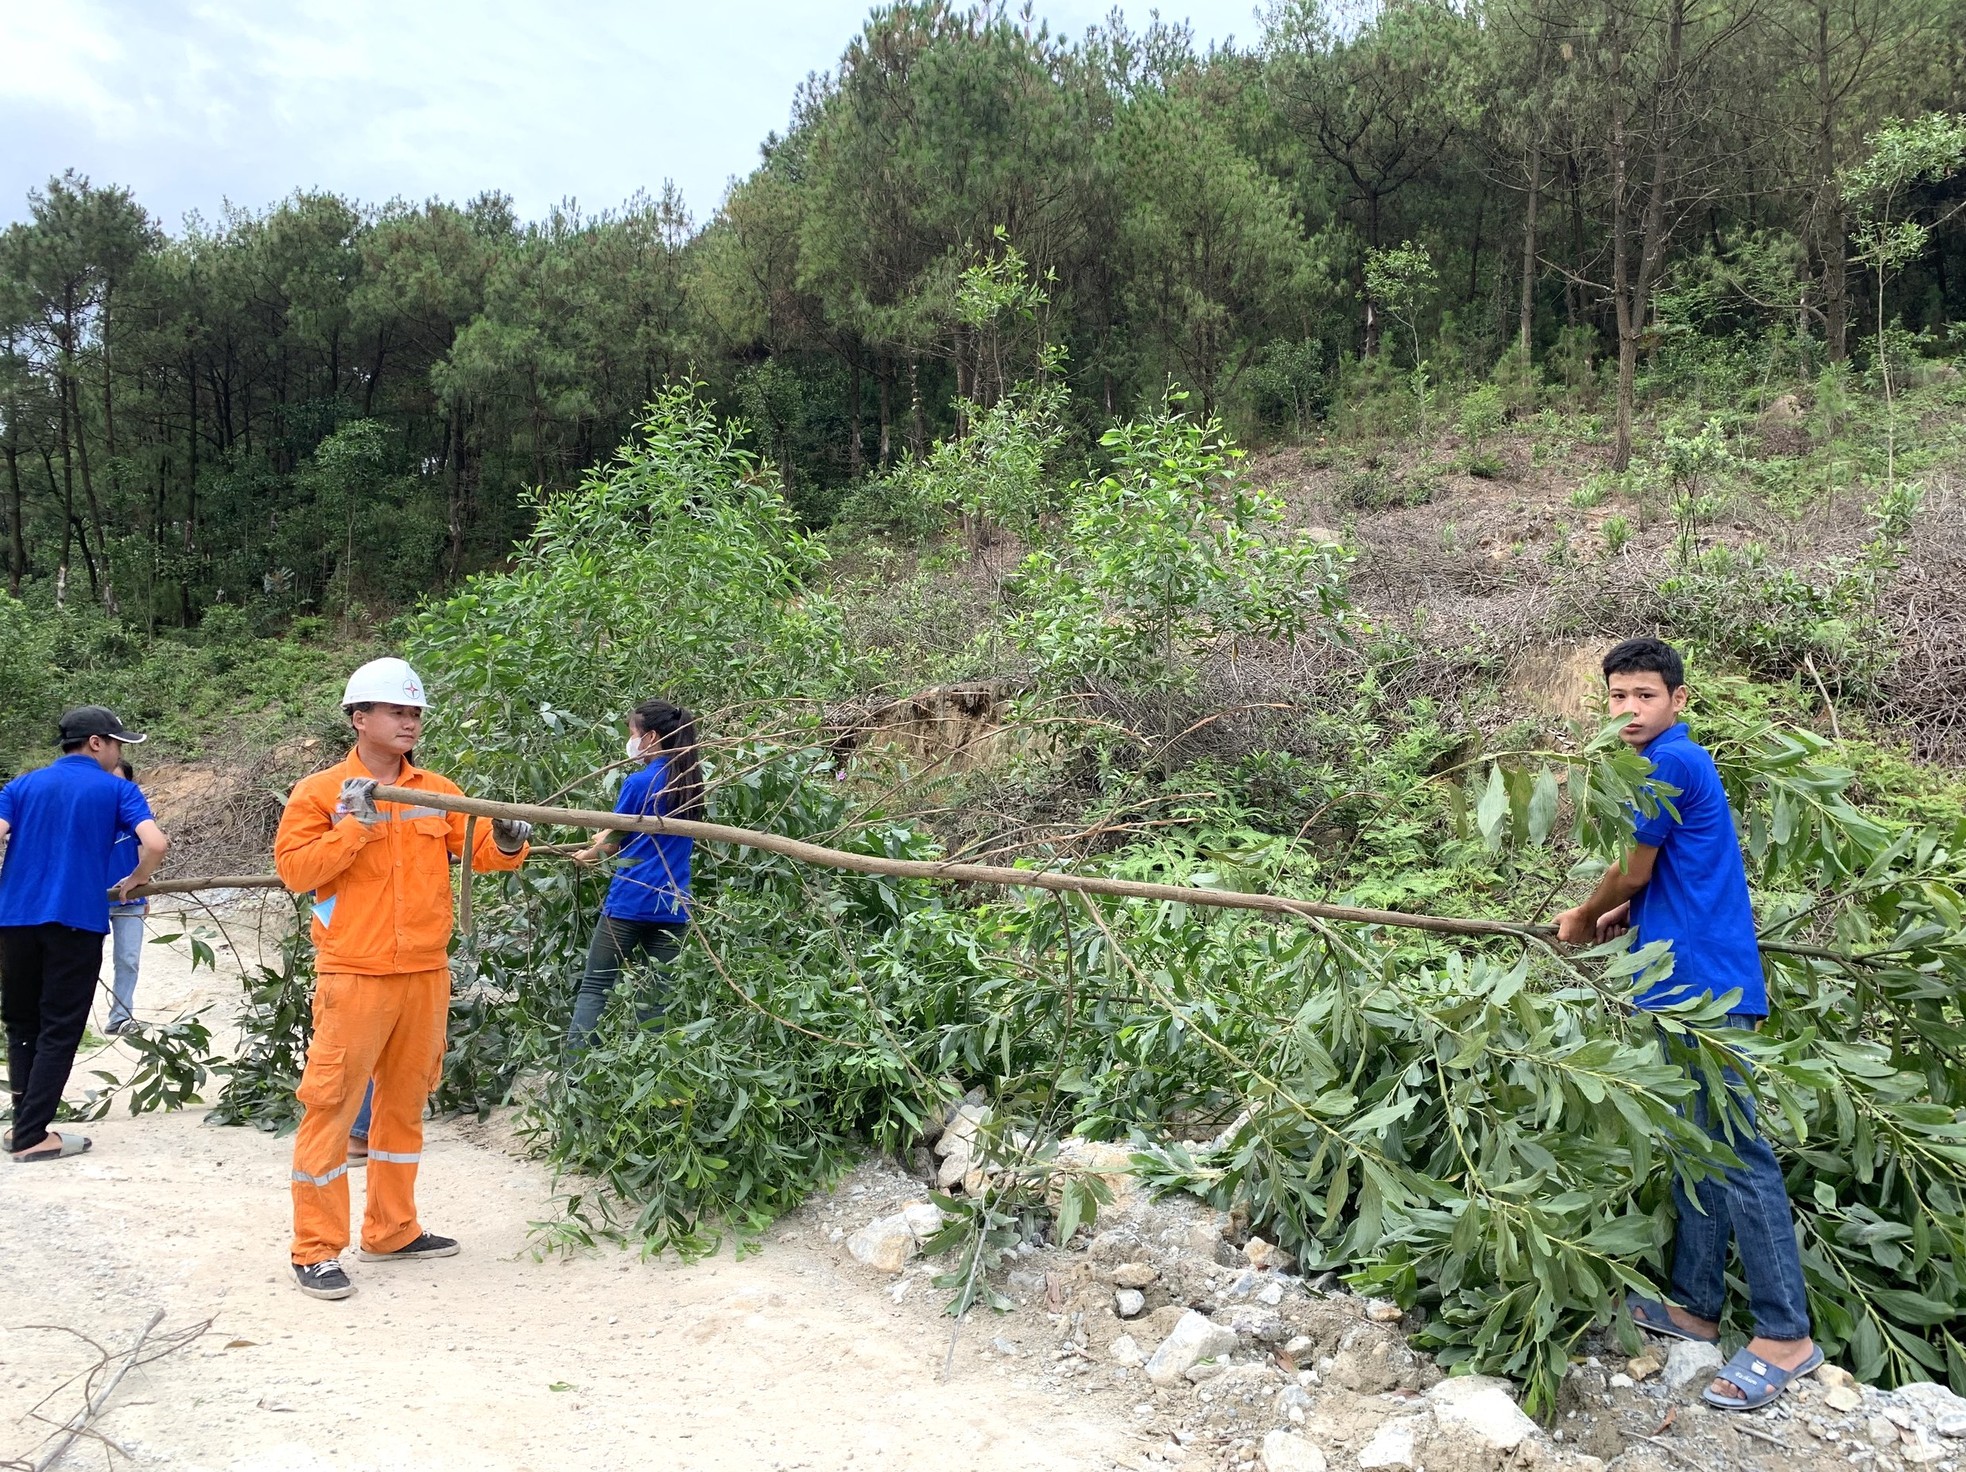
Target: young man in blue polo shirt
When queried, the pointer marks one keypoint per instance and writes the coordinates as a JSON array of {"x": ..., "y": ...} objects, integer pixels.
[
  {"x": 1684, "y": 882},
  {"x": 58, "y": 875}
]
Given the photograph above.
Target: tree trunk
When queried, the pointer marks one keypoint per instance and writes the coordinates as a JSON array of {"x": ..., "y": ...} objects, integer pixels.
[
  {"x": 1371, "y": 308},
  {"x": 853, "y": 448},
  {"x": 1526, "y": 327},
  {"x": 108, "y": 402},
  {"x": 883, "y": 383},
  {"x": 17, "y": 544},
  {"x": 1632, "y": 287},
  {"x": 190, "y": 538},
  {"x": 103, "y": 587},
  {"x": 67, "y": 482},
  {"x": 375, "y": 373},
  {"x": 454, "y": 555},
  {"x": 917, "y": 415},
  {"x": 1830, "y": 224},
  {"x": 1573, "y": 291}
]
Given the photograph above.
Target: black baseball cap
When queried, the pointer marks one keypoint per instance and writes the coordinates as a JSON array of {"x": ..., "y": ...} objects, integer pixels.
[{"x": 95, "y": 720}]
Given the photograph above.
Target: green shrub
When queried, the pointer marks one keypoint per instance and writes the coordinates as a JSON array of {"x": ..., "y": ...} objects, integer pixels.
[
  {"x": 1617, "y": 534},
  {"x": 1518, "y": 380}
]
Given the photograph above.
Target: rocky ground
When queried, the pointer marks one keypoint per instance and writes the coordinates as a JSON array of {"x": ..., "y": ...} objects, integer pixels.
[
  {"x": 1217, "y": 1358},
  {"x": 1162, "y": 1335}
]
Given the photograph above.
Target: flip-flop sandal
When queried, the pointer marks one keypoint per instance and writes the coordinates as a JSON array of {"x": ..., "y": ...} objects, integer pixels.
[
  {"x": 70, "y": 1145},
  {"x": 1650, "y": 1315},
  {"x": 1758, "y": 1381}
]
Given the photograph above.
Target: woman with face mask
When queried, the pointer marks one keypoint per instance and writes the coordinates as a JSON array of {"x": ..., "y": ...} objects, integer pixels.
[{"x": 647, "y": 908}]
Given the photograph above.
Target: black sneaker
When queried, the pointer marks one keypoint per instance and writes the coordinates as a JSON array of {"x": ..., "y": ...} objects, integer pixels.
[
  {"x": 322, "y": 1279},
  {"x": 424, "y": 1246}
]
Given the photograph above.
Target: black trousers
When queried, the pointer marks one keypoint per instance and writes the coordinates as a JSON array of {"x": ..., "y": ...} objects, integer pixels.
[
  {"x": 48, "y": 977},
  {"x": 615, "y": 942}
]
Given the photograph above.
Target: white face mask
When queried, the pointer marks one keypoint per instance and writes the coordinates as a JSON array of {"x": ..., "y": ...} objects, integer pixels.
[{"x": 634, "y": 747}]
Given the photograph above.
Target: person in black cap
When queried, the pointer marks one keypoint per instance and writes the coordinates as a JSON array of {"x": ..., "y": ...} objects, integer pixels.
[{"x": 58, "y": 831}]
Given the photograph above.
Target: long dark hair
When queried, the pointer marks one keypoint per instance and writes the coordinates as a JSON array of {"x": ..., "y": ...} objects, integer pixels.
[{"x": 675, "y": 728}]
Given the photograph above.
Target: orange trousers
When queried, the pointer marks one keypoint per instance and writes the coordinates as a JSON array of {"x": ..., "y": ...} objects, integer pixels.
[{"x": 391, "y": 1029}]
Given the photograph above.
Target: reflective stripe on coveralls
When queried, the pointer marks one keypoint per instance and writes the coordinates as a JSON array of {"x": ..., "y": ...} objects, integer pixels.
[
  {"x": 391, "y": 1029},
  {"x": 381, "y": 928}
]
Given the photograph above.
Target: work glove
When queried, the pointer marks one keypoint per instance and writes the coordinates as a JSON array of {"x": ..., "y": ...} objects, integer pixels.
[
  {"x": 510, "y": 834},
  {"x": 358, "y": 801}
]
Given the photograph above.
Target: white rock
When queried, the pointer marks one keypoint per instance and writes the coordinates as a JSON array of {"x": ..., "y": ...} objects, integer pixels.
[
  {"x": 1271, "y": 1294},
  {"x": 1207, "y": 1369},
  {"x": 961, "y": 1132},
  {"x": 1931, "y": 1401},
  {"x": 1391, "y": 1445},
  {"x": 1263, "y": 1324},
  {"x": 1921, "y": 1449},
  {"x": 1285, "y": 1452},
  {"x": 1192, "y": 1340},
  {"x": 1134, "y": 1275},
  {"x": 1125, "y": 1351},
  {"x": 1688, "y": 1362},
  {"x": 1112, "y": 1164},
  {"x": 954, "y": 1167},
  {"x": 1952, "y": 1425},
  {"x": 1293, "y": 1398},
  {"x": 1299, "y": 1346},
  {"x": 885, "y": 1244},
  {"x": 924, "y": 1219},
  {"x": 1844, "y": 1398},
  {"x": 1880, "y": 1432},
  {"x": 1480, "y": 1407},
  {"x": 1129, "y": 1303},
  {"x": 1622, "y": 1381},
  {"x": 1381, "y": 1311}
]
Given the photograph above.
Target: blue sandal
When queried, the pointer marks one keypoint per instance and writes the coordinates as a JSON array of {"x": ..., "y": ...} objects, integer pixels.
[
  {"x": 1758, "y": 1381},
  {"x": 1650, "y": 1315}
]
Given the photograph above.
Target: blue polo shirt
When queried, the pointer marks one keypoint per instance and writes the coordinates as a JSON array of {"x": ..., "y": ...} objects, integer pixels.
[
  {"x": 1697, "y": 897},
  {"x": 651, "y": 879},
  {"x": 61, "y": 855}
]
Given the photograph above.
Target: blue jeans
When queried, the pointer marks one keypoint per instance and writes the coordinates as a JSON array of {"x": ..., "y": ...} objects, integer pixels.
[
  {"x": 126, "y": 950},
  {"x": 1748, "y": 1205},
  {"x": 614, "y": 942},
  {"x": 360, "y": 1129}
]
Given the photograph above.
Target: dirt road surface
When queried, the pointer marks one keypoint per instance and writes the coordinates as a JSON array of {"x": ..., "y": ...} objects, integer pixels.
[{"x": 489, "y": 1361}]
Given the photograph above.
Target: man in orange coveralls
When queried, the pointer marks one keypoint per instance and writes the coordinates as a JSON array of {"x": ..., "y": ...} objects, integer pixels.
[{"x": 382, "y": 924}]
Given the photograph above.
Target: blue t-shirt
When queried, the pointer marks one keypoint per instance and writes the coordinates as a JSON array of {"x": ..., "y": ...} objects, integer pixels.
[
  {"x": 61, "y": 853},
  {"x": 651, "y": 881},
  {"x": 1697, "y": 897},
  {"x": 128, "y": 854}
]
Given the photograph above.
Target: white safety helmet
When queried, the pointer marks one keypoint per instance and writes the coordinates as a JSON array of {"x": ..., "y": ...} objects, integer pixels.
[{"x": 389, "y": 681}]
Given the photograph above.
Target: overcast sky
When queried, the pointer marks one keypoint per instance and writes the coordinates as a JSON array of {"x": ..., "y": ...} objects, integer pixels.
[{"x": 195, "y": 102}]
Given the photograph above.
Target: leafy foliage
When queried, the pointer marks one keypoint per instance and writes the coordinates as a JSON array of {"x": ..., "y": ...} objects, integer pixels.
[{"x": 1173, "y": 552}]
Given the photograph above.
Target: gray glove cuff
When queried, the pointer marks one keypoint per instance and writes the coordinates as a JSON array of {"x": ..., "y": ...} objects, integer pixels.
[{"x": 510, "y": 834}]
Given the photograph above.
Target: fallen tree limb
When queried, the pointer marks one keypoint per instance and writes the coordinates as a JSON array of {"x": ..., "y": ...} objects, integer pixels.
[
  {"x": 948, "y": 873},
  {"x": 195, "y": 886},
  {"x": 951, "y": 873},
  {"x": 273, "y": 881}
]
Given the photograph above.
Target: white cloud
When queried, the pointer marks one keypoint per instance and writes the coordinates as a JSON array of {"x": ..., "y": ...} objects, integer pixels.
[{"x": 193, "y": 102}]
